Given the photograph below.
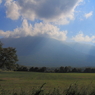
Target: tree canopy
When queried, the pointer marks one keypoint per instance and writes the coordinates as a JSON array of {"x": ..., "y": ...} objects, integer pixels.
[{"x": 8, "y": 57}]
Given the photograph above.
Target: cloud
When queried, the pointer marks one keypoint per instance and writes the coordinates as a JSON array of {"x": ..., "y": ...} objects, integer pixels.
[
  {"x": 0, "y": 1},
  {"x": 58, "y": 11},
  {"x": 12, "y": 9},
  {"x": 88, "y": 14},
  {"x": 81, "y": 38},
  {"x": 39, "y": 29}
]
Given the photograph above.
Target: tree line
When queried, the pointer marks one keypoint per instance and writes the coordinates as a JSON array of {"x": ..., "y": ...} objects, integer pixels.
[
  {"x": 66, "y": 69},
  {"x": 8, "y": 59}
]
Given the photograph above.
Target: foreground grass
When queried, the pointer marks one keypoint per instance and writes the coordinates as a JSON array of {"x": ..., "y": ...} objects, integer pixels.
[
  {"x": 73, "y": 89},
  {"x": 28, "y": 81}
]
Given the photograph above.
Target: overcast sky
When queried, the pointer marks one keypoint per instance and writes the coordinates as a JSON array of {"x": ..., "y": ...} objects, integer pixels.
[{"x": 65, "y": 20}]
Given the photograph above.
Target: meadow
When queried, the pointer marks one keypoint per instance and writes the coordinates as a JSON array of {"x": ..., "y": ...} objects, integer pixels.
[{"x": 26, "y": 81}]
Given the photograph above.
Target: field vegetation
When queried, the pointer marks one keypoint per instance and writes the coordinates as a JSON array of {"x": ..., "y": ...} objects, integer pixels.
[{"x": 26, "y": 82}]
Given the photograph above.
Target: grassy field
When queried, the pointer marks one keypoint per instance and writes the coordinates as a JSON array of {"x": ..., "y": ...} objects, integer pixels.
[{"x": 30, "y": 80}]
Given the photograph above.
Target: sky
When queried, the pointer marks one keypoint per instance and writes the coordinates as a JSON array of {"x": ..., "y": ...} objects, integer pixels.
[{"x": 64, "y": 20}]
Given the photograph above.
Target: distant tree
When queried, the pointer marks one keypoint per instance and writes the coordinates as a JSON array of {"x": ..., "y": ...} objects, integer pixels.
[
  {"x": 8, "y": 57},
  {"x": 62, "y": 69},
  {"x": 79, "y": 70},
  {"x": 88, "y": 70},
  {"x": 74, "y": 70},
  {"x": 67, "y": 69},
  {"x": 42, "y": 69},
  {"x": 93, "y": 70},
  {"x": 1, "y": 44},
  {"x": 56, "y": 70},
  {"x": 31, "y": 69},
  {"x": 34, "y": 69},
  {"x": 22, "y": 68}
]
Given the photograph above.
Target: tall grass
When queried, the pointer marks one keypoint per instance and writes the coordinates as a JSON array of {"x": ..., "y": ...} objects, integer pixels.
[{"x": 73, "y": 89}]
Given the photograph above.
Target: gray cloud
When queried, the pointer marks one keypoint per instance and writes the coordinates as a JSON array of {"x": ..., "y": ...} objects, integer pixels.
[
  {"x": 54, "y": 8},
  {"x": 46, "y": 10}
]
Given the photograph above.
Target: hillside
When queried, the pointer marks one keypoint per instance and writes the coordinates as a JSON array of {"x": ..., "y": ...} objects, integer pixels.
[{"x": 40, "y": 51}]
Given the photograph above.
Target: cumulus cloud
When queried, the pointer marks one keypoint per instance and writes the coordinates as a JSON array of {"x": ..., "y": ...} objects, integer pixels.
[
  {"x": 0, "y": 1},
  {"x": 41, "y": 29},
  {"x": 12, "y": 9},
  {"x": 81, "y": 38},
  {"x": 60, "y": 11},
  {"x": 88, "y": 14}
]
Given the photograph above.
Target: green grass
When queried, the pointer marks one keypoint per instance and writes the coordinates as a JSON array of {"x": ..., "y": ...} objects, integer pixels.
[{"x": 30, "y": 80}]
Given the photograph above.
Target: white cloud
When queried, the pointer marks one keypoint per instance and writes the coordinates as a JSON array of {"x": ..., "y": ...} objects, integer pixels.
[
  {"x": 12, "y": 9},
  {"x": 58, "y": 11},
  {"x": 81, "y": 38},
  {"x": 88, "y": 14},
  {"x": 39, "y": 29},
  {"x": 0, "y": 1}
]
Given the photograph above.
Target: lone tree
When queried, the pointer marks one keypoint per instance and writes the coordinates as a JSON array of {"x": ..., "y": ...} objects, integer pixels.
[{"x": 8, "y": 57}]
